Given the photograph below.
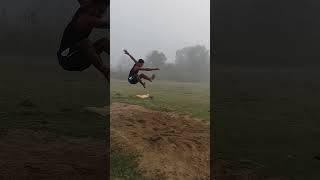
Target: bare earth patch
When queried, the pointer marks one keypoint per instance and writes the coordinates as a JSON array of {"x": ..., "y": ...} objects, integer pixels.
[
  {"x": 168, "y": 145},
  {"x": 27, "y": 154}
]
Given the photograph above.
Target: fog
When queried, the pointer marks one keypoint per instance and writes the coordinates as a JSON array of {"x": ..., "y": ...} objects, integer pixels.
[
  {"x": 175, "y": 33},
  {"x": 142, "y": 26}
]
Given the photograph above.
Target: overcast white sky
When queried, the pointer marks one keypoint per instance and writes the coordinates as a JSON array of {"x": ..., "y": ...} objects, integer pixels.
[{"x": 141, "y": 26}]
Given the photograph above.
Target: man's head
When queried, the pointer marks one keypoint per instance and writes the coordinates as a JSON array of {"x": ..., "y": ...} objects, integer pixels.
[
  {"x": 84, "y": 2},
  {"x": 140, "y": 62},
  {"x": 98, "y": 7}
]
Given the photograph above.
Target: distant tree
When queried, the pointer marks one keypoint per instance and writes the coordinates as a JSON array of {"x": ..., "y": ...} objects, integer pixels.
[
  {"x": 156, "y": 59},
  {"x": 193, "y": 63},
  {"x": 124, "y": 64},
  {"x": 193, "y": 55},
  {"x": 168, "y": 72}
]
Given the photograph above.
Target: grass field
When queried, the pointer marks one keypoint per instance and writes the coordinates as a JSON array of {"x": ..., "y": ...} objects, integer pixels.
[
  {"x": 271, "y": 117},
  {"x": 184, "y": 98},
  {"x": 43, "y": 97},
  {"x": 267, "y": 116}
]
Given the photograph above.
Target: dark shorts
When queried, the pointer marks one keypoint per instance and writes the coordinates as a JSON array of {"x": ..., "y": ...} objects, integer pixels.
[
  {"x": 133, "y": 79},
  {"x": 74, "y": 61}
]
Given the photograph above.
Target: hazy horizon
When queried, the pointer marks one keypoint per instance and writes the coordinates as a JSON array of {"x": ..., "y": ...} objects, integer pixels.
[{"x": 142, "y": 26}]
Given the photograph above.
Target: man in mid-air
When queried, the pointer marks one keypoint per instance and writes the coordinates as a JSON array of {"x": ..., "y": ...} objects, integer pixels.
[
  {"x": 134, "y": 77},
  {"x": 76, "y": 51}
]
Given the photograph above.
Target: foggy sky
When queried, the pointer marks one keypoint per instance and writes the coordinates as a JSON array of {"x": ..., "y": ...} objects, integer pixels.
[{"x": 141, "y": 26}]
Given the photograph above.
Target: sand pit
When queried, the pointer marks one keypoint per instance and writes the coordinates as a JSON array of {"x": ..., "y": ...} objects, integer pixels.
[
  {"x": 27, "y": 154},
  {"x": 144, "y": 96},
  {"x": 169, "y": 146}
]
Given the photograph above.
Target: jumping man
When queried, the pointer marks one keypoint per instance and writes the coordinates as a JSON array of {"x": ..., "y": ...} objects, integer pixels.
[
  {"x": 134, "y": 77},
  {"x": 77, "y": 52}
]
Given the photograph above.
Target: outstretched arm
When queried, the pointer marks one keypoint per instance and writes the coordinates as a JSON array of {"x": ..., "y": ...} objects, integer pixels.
[
  {"x": 98, "y": 23},
  {"x": 148, "y": 69},
  {"x": 83, "y": 2},
  {"x": 127, "y": 53}
]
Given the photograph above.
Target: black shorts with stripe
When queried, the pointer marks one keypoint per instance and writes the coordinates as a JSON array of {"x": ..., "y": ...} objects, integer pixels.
[
  {"x": 133, "y": 79},
  {"x": 75, "y": 60}
]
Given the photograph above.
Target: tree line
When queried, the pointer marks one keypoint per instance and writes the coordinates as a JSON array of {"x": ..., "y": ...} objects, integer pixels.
[{"x": 191, "y": 64}]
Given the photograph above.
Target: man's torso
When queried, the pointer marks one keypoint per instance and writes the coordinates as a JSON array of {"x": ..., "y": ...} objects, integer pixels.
[
  {"x": 133, "y": 72},
  {"x": 73, "y": 35}
]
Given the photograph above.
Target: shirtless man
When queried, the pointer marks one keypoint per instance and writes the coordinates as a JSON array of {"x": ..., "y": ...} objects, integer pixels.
[
  {"x": 134, "y": 76},
  {"x": 77, "y": 52}
]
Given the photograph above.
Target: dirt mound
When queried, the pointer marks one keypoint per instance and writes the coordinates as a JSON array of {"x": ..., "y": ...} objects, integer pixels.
[
  {"x": 169, "y": 145},
  {"x": 27, "y": 154}
]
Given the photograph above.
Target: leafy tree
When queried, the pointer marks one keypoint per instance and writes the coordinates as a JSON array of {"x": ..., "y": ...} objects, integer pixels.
[
  {"x": 156, "y": 59},
  {"x": 193, "y": 63}
]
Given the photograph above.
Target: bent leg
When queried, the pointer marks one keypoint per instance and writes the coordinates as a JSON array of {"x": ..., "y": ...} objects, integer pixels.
[
  {"x": 90, "y": 52},
  {"x": 143, "y": 76},
  {"x": 141, "y": 82}
]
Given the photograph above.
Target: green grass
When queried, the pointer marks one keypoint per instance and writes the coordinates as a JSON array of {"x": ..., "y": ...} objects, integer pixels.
[
  {"x": 45, "y": 97},
  {"x": 124, "y": 166},
  {"x": 42, "y": 96},
  {"x": 184, "y": 98}
]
